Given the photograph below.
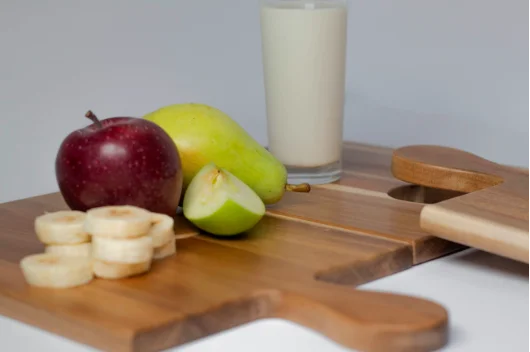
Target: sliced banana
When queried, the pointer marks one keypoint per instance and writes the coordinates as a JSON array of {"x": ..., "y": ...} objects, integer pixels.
[
  {"x": 166, "y": 250},
  {"x": 131, "y": 251},
  {"x": 61, "y": 227},
  {"x": 162, "y": 229},
  {"x": 108, "y": 270},
  {"x": 122, "y": 221},
  {"x": 55, "y": 271},
  {"x": 71, "y": 250}
]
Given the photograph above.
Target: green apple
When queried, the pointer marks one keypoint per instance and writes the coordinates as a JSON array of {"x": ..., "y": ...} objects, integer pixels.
[{"x": 219, "y": 203}]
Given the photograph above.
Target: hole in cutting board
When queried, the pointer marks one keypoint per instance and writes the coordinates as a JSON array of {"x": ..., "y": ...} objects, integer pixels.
[{"x": 422, "y": 194}]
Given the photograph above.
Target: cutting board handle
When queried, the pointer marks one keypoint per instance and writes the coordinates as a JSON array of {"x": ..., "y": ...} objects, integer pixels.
[
  {"x": 368, "y": 321},
  {"x": 446, "y": 168},
  {"x": 492, "y": 216}
]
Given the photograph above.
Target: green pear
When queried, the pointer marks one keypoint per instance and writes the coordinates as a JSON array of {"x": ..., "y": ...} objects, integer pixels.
[
  {"x": 219, "y": 203},
  {"x": 204, "y": 135}
]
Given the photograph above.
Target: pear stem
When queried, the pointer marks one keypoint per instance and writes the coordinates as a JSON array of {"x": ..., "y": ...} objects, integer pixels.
[
  {"x": 303, "y": 188},
  {"x": 89, "y": 114}
]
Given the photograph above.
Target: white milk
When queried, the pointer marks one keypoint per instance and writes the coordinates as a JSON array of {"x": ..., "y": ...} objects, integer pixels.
[{"x": 304, "y": 49}]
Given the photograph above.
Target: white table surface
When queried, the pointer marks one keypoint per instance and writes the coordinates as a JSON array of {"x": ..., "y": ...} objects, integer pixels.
[{"x": 486, "y": 296}]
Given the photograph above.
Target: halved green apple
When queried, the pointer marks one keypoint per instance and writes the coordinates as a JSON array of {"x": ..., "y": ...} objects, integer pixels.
[{"x": 219, "y": 203}]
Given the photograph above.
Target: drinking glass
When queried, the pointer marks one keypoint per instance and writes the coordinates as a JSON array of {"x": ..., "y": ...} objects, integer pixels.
[{"x": 304, "y": 55}]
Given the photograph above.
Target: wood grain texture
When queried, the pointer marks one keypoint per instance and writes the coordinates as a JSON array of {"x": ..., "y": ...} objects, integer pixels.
[
  {"x": 492, "y": 216},
  {"x": 214, "y": 284},
  {"x": 328, "y": 254},
  {"x": 359, "y": 210}
]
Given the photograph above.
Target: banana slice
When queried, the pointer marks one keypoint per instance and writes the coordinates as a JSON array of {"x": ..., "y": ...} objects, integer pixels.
[
  {"x": 117, "y": 250},
  {"x": 55, "y": 271},
  {"x": 70, "y": 250},
  {"x": 166, "y": 250},
  {"x": 61, "y": 227},
  {"x": 108, "y": 270},
  {"x": 162, "y": 229},
  {"x": 122, "y": 221}
]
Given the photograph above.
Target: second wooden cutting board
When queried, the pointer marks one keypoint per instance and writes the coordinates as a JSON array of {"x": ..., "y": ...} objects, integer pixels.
[
  {"x": 492, "y": 212},
  {"x": 361, "y": 202}
]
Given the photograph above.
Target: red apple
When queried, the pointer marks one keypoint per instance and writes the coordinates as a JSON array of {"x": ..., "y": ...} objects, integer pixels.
[{"x": 119, "y": 161}]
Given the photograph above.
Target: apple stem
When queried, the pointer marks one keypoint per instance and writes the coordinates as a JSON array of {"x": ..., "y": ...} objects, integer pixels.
[
  {"x": 89, "y": 114},
  {"x": 303, "y": 187}
]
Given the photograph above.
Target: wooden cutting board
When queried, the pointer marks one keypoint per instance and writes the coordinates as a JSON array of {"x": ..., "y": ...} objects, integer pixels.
[
  {"x": 295, "y": 264},
  {"x": 492, "y": 213},
  {"x": 361, "y": 202}
]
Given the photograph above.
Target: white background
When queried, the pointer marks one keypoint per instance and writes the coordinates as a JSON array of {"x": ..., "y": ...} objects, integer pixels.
[{"x": 451, "y": 72}]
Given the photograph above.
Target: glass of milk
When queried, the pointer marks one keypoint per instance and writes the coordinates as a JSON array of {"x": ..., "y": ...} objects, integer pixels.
[{"x": 304, "y": 54}]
